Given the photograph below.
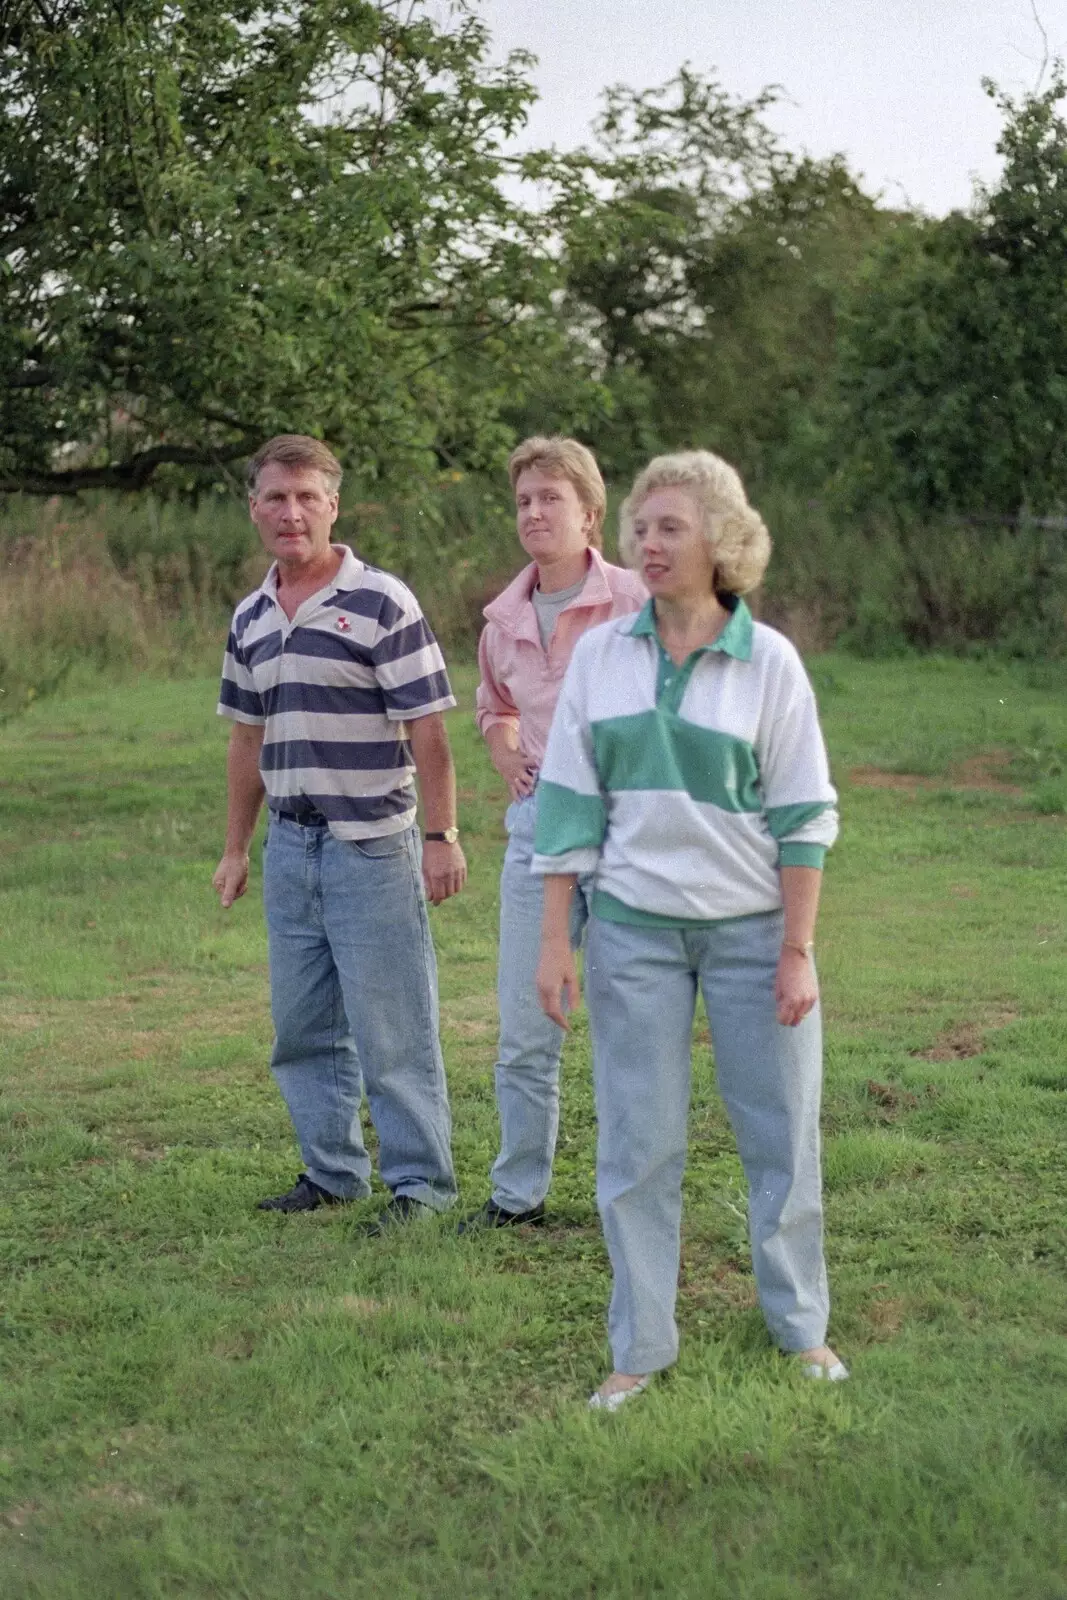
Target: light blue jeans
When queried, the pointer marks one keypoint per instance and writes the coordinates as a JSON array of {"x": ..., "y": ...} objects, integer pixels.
[
  {"x": 527, "y": 1069},
  {"x": 641, "y": 988},
  {"x": 353, "y": 981}
]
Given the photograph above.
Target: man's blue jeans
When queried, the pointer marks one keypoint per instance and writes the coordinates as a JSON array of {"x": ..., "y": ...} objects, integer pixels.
[
  {"x": 353, "y": 982},
  {"x": 527, "y": 1069}
]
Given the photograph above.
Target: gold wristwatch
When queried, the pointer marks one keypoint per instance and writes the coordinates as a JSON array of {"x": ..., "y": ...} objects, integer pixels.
[{"x": 446, "y": 836}]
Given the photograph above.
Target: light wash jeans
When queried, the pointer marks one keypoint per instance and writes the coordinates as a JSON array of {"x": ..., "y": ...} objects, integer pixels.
[
  {"x": 641, "y": 987},
  {"x": 353, "y": 982},
  {"x": 527, "y": 1069}
]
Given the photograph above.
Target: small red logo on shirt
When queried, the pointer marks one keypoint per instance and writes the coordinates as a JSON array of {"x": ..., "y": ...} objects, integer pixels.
[{"x": 343, "y": 625}]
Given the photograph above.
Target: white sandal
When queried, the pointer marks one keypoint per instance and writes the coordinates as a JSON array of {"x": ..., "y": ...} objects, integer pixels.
[
  {"x": 837, "y": 1372},
  {"x": 612, "y": 1402}
]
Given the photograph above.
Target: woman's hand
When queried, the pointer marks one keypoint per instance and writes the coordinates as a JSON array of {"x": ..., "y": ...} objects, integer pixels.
[
  {"x": 516, "y": 772},
  {"x": 558, "y": 989},
  {"x": 796, "y": 988},
  {"x": 519, "y": 774}
]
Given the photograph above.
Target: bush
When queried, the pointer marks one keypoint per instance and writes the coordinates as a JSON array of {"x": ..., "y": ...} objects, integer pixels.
[
  {"x": 894, "y": 584},
  {"x": 123, "y": 583},
  {"x": 67, "y": 607}
]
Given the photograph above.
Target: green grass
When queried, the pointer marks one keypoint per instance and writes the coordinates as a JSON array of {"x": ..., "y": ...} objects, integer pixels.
[{"x": 197, "y": 1399}]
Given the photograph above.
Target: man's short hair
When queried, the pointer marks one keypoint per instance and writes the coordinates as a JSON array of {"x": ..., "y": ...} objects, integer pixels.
[
  {"x": 734, "y": 532},
  {"x": 565, "y": 458},
  {"x": 296, "y": 450}
]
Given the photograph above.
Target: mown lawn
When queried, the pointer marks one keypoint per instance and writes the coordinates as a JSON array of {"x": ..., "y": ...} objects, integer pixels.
[{"x": 198, "y": 1399}]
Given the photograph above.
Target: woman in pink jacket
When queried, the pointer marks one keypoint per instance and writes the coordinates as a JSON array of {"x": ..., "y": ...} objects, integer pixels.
[{"x": 531, "y": 630}]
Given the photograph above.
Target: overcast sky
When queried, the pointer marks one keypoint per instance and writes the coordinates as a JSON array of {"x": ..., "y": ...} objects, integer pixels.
[{"x": 894, "y": 84}]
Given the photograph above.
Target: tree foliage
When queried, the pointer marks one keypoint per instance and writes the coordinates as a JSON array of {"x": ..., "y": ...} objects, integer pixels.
[
  {"x": 221, "y": 220},
  {"x": 228, "y": 219},
  {"x": 954, "y": 359},
  {"x": 706, "y": 273}
]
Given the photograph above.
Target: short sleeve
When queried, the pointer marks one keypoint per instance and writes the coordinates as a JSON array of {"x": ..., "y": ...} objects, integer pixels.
[
  {"x": 409, "y": 666},
  {"x": 239, "y": 699}
]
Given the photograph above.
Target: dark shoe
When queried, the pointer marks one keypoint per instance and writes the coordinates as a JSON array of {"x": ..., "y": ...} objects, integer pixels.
[
  {"x": 493, "y": 1216},
  {"x": 401, "y": 1208},
  {"x": 303, "y": 1196}
]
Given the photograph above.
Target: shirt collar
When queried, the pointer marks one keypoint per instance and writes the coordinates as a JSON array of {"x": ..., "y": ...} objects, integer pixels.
[
  {"x": 734, "y": 640},
  {"x": 349, "y": 575}
]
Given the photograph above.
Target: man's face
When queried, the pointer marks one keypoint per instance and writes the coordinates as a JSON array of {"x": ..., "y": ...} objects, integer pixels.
[{"x": 293, "y": 509}]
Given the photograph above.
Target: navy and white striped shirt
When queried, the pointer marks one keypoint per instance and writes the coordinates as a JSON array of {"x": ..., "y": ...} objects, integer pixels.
[{"x": 333, "y": 689}]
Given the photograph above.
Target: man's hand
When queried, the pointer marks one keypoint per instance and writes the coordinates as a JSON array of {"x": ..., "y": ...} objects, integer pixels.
[
  {"x": 795, "y": 987},
  {"x": 231, "y": 877},
  {"x": 444, "y": 870},
  {"x": 558, "y": 989},
  {"x": 518, "y": 773}
]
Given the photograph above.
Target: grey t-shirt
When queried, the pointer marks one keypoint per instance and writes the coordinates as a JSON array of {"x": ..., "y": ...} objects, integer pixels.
[{"x": 549, "y": 606}]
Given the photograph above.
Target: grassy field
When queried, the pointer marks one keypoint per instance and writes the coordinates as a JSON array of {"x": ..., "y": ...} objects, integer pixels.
[{"x": 197, "y": 1399}]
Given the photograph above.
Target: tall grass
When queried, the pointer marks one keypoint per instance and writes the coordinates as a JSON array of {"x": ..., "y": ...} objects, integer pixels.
[
  {"x": 121, "y": 584},
  {"x": 888, "y": 584},
  {"x": 113, "y": 587},
  {"x": 118, "y": 584}
]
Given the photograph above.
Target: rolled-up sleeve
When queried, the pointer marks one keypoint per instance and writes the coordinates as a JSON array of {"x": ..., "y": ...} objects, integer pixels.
[
  {"x": 493, "y": 704},
  {"x": 799, "y": 801},
  {"x": 572, "y": 816}
]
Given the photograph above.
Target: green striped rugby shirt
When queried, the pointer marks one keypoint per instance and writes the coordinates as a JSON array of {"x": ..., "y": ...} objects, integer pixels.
[{"x": 684, "y": 788}]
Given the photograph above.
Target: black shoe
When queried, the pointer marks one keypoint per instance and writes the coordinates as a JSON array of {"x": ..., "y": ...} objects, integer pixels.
[
  {"x": 493, "y": 1216},
  {"x": 305, "y": 1195},
  {"x": 401, "y": 1208}
]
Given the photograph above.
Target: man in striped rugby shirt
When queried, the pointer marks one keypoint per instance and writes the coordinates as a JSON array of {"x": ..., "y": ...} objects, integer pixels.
[{"x": 335, "y": 687}]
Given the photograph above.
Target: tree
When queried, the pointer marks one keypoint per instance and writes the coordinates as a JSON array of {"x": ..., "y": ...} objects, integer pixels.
[
  {"x": 954, "y": 353},
  {"x": 222, "y": 220},
  {"x": 705, "y": 271}
]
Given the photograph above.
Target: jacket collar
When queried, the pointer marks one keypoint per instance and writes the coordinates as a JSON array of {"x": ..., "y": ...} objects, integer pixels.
[{"x": 513, "y": 611}]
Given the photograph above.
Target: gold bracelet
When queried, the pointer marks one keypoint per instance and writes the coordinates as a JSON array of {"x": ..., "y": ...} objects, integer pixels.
[{"x": 794, "y": 944}]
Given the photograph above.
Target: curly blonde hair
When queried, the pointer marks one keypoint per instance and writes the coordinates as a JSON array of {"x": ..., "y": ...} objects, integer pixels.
[{"x": 736, "y": 534}]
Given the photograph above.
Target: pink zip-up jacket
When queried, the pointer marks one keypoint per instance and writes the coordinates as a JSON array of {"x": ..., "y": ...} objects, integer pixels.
[{"x": 520, "y": 681}]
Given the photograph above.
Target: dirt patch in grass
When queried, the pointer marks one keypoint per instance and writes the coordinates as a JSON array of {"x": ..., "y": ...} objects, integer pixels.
[
  {"x": 117, "y": 1494},
  {"x": 986, "y": 771},
  {"x": 18, "y": 1516},
  {"x": 963, "y": 1040},
  {"x": 19, "y": 1021},
  {"x": 885, "y": 1318},
  {"x": 361, "y": 1305},
  {"x": 958, "y": 1043},
  {"x": 890, "y": 1097},
  {"x": 235, "y": 1347},
  {"x": 726, "y": 1283},
  {"x": 145, "y": 1152},
  {"x": 472, "y": 1017}
]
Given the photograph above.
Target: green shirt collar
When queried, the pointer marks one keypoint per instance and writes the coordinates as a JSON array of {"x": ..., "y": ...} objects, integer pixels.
[{"x": 734, "y": 640}]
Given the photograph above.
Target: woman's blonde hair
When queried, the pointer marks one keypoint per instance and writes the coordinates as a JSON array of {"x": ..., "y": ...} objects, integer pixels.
[
  {"x": 565, "y": 458},
  {"x": 736, "y": 535}
]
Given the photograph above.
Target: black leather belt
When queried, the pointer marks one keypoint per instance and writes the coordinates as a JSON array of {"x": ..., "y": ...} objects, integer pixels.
[{"x": 306, "y": 819}]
